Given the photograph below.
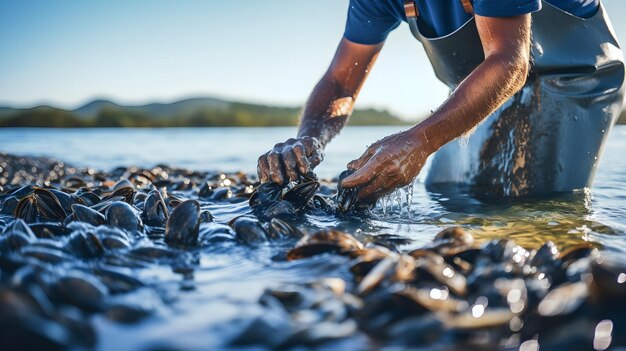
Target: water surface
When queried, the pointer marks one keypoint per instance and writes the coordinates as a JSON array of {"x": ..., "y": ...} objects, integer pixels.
[
  {"x": 597, "y": 214},
  {"x": 228, "y": 280}
]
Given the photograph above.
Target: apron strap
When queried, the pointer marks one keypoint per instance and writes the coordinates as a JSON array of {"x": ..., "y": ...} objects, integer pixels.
[
  {"x": 467, "y": 6},
  {"x": 412, "y": 13},
  {"x": 411, "y": 10}
]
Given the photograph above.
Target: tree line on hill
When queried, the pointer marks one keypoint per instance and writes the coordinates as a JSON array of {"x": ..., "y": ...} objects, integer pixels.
[
  {"x": 198, "y": 112},
  {"x": 236, "y": 115}
]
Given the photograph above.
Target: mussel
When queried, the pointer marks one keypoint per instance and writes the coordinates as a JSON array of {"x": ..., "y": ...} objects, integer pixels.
[
  {"x": 183, "y": 225},
  {"x": 325, "y": 241},
  {"x": 40, "y": 205},
  {"x": 154, "y": 209},
  {"x": 122, "y": 215},
  {"x": 346, "y": 198},
  {"x": 298, "y": 193}
]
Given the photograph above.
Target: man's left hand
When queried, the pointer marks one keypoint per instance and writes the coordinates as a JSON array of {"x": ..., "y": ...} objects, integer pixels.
[{"x": 389, "y": 163}]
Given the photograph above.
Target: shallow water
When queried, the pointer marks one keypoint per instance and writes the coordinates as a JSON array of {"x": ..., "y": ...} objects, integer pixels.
[
  {"x": 597, "y": 215},
  {"x": 221, "y": 297}
]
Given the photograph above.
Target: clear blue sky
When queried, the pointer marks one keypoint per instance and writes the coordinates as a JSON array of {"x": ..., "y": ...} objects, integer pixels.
[{"x": 65, "y": 52}]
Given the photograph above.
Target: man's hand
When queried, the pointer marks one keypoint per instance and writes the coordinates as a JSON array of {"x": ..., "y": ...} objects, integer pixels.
[
  {"x": 288, "y": 160},
  {"x": 387, "y": 164}
]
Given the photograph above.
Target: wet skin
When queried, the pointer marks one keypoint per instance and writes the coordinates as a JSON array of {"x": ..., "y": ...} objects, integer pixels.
[{"x": 395, "y": 160}]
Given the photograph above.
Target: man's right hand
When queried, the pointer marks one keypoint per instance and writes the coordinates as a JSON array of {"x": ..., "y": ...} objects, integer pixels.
[{"x": 288, "y": 160}]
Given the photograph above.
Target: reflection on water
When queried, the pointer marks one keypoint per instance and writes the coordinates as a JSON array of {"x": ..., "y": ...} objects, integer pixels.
[{"x": 566, "y": 219}]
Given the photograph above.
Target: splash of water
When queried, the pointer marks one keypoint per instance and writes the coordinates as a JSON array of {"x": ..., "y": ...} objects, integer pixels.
[
  {"x": 408, "y": 191},
  {"x": 398, "y": 196},
  {"x": 401, "y": 197}
]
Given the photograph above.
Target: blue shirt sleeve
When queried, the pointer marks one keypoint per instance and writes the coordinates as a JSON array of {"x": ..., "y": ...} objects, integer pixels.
[
  {"x": 368, "y": 22},
  {"x": 505, "y": 8}
]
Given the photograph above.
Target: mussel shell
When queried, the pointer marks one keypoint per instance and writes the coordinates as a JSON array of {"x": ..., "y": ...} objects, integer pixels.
[
  {"x": 152, "y": 253},
  {"x": 547, "y": 254},
  {"x": 434, "y": 268},
  {"x": 8, "y": 205},
  {"x": 346, "y": 197},
  {"x": 456, "y": 236},
  {"x": 45, "y": 254},
  {"x": 608, "y": 285},
  {"x": 22, "y": 192},
  {"x": 126, "y": 192},
  {"x": 279, "y": 229},
  {"x": 214, "y": 232},
  {"x": 84, "y": 244},
  {"x": 344, "y": 240},
  {"x": 80, "y": 289},
  {"x": 284, "y": 209},
  {"x": 502, "y": 251},
  {"x": 19, "y": 332},
  {"x": 123, "y": 183},
  {"x": 49, "y": 229},
  {"x": 40, "y": 204},
  {"x": 14, "y": 241},
  {"x": 103, "y": 205},
  {"x": 248, "y": 230},
  {"x": 65, "y": 200},
  {"x": 265, "y": 193},
  {"x": 322, "y": 203},
  {"x": 206, "y": 216},
  {"x": 221, "y": 193},
  {"x": 183, "y": 225},
  {"x": 154, "y": 209},
  {"x": 205, "y": 190},
  {"x": 576, "y": 252},
  {"x": 139, "y": 199},
  {"x": 115, "y": 241},
  {"x": 85, "y": 214},
  {"x": 126, "y": 313},
  {"x": 300, "y": 194},
  {"x": 89, "y": 197},
  {"x": 20, "y": 226},
  {"x": 122, "y": 215},
  {"x": 310, "y": 250},
  {"x": 118, "y": 280},
  {"x": 325, "y": 241}
]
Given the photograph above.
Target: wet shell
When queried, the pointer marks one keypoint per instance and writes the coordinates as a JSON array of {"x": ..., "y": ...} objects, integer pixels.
[{"x": 183, "y": 225}]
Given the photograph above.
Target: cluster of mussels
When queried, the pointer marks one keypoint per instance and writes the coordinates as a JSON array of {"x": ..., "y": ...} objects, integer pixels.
[
  {"x": 452, "y": 294},
  {"x": 72, "y": 241}
]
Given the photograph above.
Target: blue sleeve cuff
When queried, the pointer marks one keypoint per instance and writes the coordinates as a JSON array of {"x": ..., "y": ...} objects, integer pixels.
[
  {"x": 367, "y": 23},
  {"x": 365, "y": 39},
  {"x": 506, "y": 10}
]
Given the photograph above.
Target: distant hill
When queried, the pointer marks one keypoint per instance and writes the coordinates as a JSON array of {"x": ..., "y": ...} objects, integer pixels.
[
  {"x": 155, "y": 110},
  {"x": 202, "y": 112}
]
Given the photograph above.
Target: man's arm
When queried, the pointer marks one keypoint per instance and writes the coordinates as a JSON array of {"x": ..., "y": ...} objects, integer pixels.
[
  {"x": 506, "y": 43},
  {"x": 324, "y": 115},
  {"x": 396, "y": 160}
]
